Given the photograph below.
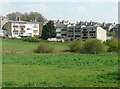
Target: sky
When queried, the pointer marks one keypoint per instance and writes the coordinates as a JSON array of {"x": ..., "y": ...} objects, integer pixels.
[{"x": 71, "y": 11}]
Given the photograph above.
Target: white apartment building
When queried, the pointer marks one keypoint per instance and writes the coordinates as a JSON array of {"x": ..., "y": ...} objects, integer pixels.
[{"x": 20, "y": 28}]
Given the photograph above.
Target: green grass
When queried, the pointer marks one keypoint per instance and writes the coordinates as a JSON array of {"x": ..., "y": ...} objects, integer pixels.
[
  {"x": 56, "y": 70},
  {"x": 19, "y": 45},
  {"x": 60, "y": 70}
]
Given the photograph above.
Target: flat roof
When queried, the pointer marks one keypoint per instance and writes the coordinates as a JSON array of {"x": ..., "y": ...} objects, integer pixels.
[{"x": 24, "y": 22}]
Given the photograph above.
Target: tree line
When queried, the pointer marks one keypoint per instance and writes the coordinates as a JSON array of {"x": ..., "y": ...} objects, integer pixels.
[{"x": 31, "y": 16}]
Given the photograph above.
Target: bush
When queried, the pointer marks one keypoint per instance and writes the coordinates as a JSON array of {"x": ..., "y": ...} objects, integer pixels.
[
  {"x": 76, "y": 46},
  {"x": 111, "y": 34},
  {"x": 113, "y": 44},
  {"x": 44, "y": 48},
  {"x": 94, "y": 46},
  {"x": 31, "y": 39}
]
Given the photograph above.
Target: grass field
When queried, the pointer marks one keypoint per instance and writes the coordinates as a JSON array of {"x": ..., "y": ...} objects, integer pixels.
[
  {"x": 57, "y": 70},
  {"x": 20, "y": 46}
]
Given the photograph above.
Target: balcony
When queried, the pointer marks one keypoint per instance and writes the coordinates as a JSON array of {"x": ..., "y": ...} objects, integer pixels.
[
  {"x": 64, "y": 34},
  {"x": 21, "y": 31},
  {"x": 22, "y": 26},
  {"x": 84, "y": 31},
  {"x": 70, "y": 31},
  {"x": 64, "y": 29},
  {"x": 77, "y": 30},
  {"x": 70, "y": 35},
  {"x": 15, "y": 26},
  {"x": 92, "y": 31},
  {"x": 15, "y": 30},
  {"x": 77, "y": 35}
]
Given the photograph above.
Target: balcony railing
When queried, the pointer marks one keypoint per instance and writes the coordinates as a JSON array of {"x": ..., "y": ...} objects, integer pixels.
[
  {"x": 15, "y": 30},
  {"x": 77, "y": 35},
  {"x": 92, "y": 31},
  {"x": 84, "y": 31},
  {"x": 70, "y": 31},
  {"x": 77, "y": 30},
  {"x": 64, "y": 34},
  {"x": 22, "y": 31}
]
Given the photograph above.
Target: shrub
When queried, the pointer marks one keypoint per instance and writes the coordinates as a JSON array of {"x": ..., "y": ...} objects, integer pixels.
[
  {"x": 31, "y": 39},
  {"x": 44, "y": 48},
  {"x": 113, "y": 44},
  {"x": 94, "y": 46},
  {"x": 76, "y": 46}
]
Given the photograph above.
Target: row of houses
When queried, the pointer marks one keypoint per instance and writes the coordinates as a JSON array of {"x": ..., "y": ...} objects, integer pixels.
[{"x": 64, "y": 29}]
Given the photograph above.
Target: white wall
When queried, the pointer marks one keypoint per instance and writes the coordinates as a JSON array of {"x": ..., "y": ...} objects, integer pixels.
[
  {"x": 33, "y": 27},
  {"x": 101, "y": 34}
]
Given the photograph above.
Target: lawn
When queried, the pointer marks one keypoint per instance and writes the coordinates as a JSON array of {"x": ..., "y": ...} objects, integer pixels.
[
  {"x": 57, "y": 70},
  {"x": 25, "y": 47}
]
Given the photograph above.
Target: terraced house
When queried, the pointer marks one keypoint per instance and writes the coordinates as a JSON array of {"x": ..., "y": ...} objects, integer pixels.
[{"x": 21, "y": 28}]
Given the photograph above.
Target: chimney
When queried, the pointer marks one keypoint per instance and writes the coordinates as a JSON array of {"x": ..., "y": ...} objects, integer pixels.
[
  {"x": 35, "y": 18},
  {"x": 103, "y": 24},
  {"x": 18, "y": 18},
  {"x": 85, "y": 22}
]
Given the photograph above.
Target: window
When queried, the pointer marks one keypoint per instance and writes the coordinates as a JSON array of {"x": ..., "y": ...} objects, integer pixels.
[
  {"x": 84, "y": 34},
  {"x": 35, "y": 31},
  {"x": 22, "y": 28},
  {"x": 92, "y": 34},
  {"x": 58, "y": 34},
  {"x": 35, "y": 26},
  {"x": 84, "y": 29},
  {"x": 21, "y": 33},
  {"x": 29, "y": 29},
  {"x": 92, "y": 29},
  {"x": 15, "y": 33},
  {"x": 15, "y": 28},
  {"x": 30, "y": 34},
  {"x": 76, "y": 33}
]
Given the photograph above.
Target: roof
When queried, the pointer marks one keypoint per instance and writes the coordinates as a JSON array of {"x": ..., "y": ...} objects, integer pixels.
[
  {"x": 90, "y": 27},
  {"x": 24, "y": 22},
  {"x": 60, "y": 25}
]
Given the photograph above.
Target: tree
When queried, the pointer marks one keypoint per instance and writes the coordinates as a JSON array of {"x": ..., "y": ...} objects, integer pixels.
[
  {"x": 94, "y": 46},
  {"x": 32, "y": 16},
  {"x": 113, "y": 44},
  {"x": 25, "y": 17},
  {"x": 76, "y": 46},
  {"x": 44, "y": 48},
  {"x": 13, "y": 15},
  {"x": 48, "y": 31}
]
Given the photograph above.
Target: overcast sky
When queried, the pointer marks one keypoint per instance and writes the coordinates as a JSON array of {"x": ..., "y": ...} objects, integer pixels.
[{"x": 72, "y": 11}]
